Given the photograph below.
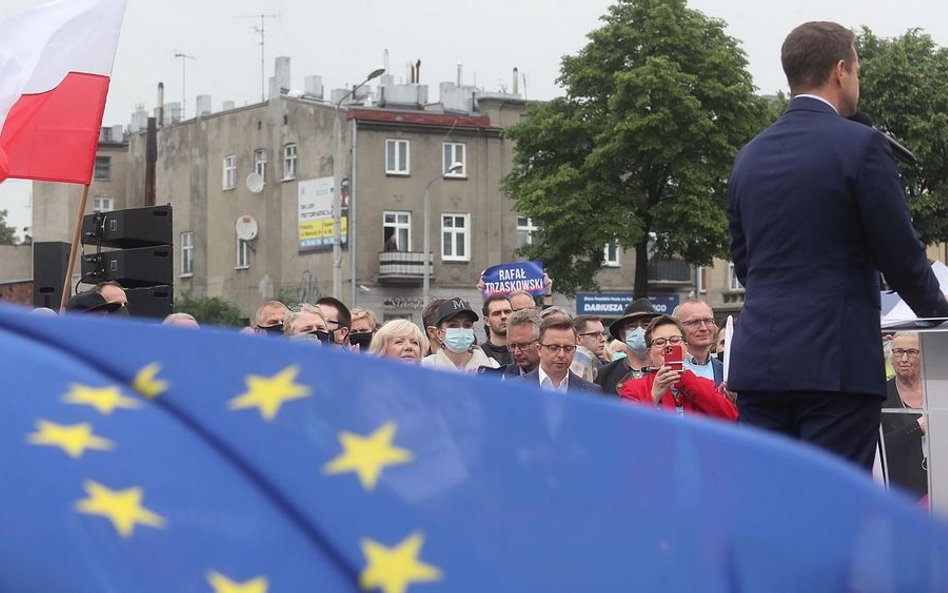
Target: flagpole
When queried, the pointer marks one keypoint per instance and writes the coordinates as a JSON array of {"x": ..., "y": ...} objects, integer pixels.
[{"x": 70, "y": 266}]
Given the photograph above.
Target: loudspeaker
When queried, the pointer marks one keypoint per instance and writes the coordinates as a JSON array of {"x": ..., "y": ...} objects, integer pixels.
[
  {"x": 49, "y": 273},
  {"x": 133, "y": 227},
  {"x": 132, "y": 268},
  {"x": 153, "y": 301}
]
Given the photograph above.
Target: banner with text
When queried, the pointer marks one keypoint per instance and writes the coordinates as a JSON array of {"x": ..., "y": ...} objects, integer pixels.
[
  {"x": 613, "y": 304},
  {"x": 315, "y": 215},
  {"x": 507, "y": 278}
]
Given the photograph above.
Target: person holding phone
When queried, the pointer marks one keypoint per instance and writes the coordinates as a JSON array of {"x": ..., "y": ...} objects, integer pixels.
[{"x": 670, "y": 386}]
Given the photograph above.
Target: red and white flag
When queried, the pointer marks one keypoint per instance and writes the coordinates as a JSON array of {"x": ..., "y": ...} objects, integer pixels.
[{"x": 55, "y": 64}]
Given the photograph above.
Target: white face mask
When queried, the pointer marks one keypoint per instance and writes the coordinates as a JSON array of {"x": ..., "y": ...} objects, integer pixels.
[
  {"x": 458, "y": 339},
  {"x": 635, "y": 340}
]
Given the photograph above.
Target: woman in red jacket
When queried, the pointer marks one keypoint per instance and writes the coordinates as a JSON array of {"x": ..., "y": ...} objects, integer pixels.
[{"x": 668, "y": 388}]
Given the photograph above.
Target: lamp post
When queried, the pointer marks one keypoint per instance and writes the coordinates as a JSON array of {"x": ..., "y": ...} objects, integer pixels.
[
  {"x": 426, "y": 277},
  {"x": 337, "y": 187}
]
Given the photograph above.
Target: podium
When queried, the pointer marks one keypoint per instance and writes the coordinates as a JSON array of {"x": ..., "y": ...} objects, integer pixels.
[{"x": 899, "y": 453}]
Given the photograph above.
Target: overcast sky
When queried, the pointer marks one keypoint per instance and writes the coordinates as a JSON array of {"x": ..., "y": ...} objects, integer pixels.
[{"x": 343, "y": 41}]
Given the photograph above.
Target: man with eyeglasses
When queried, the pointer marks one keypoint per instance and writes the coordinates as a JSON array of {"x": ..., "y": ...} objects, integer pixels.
[
  {"x": 338, "y": 319},
  {"x": 523, "y": 332},
  {"x": 697, "y": 319},
  {"x": 630, "y": 329},
  {"x": 555, "y": 347},
  {"x": 591, "y": 335}
]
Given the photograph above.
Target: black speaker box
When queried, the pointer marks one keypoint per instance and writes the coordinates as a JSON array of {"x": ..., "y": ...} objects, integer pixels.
[
  {"x": 133, "y": 227},
  {"x": 132, "y": 268},
  {"x": 49, "y": 273},
  {"x": 153, "y": 301}
]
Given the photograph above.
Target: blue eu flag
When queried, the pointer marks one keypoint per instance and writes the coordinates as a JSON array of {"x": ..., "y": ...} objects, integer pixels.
[{"x": 150, "y": 459}]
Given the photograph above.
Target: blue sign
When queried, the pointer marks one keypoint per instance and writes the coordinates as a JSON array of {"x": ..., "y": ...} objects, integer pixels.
[
  {"x": 508, "y": 278},
  {"x": 613, "y": 304}
]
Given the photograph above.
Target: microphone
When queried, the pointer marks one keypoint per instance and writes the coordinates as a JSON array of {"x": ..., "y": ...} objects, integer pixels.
[{"x": 903, "y": 154}]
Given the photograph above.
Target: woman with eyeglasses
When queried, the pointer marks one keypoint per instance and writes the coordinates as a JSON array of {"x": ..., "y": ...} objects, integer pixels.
[
  {"x": 904, "y": 433},
  {"x": 670, "y": 388}
]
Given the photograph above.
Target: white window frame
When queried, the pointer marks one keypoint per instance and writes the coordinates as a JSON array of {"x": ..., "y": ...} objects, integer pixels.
[
  {"x": 454, "y": 231},
  {"x": 243, "y": 255},
  {"x": 611, "y": 260},
  {"x": 260, "y": 163},
  {"x": 398, "y": 226},
  {"x": 187, "y": 254},
  {"x": 229, "y": 175},
  {"x": 290, "y": 160},
  {"x": 103, "y": 203},
  {"x": 733, "y": 284},
  {"x": 451, "y": 153},
  {"x": 399, "y": 144},
  {"x": 701, "y": 277},
  {"x": 525, "y": 225}
]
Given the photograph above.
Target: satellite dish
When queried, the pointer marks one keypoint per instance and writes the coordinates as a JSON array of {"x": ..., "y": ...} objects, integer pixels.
[
  {"x": 246, "y": 228},
  {"x": 255, "y": 182}
]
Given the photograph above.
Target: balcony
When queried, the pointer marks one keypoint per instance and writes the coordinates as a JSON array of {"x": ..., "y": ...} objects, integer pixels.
[
  {"x": 405, "y": 268},
  {"x": 673, "y": 273}
]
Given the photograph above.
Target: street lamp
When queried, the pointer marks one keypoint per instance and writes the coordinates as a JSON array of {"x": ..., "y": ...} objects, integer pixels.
[
  {"x": 426, "y": 282},
  {"x": 337, "y": 187}
]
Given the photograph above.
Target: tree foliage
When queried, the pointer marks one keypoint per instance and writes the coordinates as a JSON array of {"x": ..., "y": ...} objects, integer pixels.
[
  {"x": 7, "y": 232},
  {"x": 904, "y": 84},
  {"x": 657, "y": 105},
  {"x": 209, "y": 310}
]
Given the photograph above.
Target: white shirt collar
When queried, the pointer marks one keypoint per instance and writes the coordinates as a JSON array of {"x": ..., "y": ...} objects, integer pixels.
[
  {"x": 818, "y": 98},
  {"x": 547, "y": 383}
]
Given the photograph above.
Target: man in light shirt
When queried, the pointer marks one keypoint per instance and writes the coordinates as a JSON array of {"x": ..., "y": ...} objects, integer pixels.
[{"x": 556, "y": 347}]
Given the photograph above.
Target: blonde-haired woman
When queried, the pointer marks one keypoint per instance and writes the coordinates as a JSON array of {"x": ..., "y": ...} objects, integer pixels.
[{"x": 400, "y": 339}]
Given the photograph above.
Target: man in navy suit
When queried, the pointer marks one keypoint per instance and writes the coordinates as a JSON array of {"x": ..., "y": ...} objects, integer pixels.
[
  {"x": 555, "y": 347},
  {"x": 815, "y": 209}
]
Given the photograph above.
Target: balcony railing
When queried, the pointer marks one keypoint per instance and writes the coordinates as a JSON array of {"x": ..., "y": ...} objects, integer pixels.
[
  {"x": 670, "y": 272},
  {"x": 403, "y": 267}
]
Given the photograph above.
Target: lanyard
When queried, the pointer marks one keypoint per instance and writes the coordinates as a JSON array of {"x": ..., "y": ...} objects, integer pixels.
[{"x": 679, "y": 408}]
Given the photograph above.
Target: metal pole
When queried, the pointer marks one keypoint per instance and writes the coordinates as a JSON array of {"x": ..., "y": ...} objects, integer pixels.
[
  {"x": 336, "y": 204},
  {"x": 352, "y": 218},
  {"x": 426, "y": 248}
]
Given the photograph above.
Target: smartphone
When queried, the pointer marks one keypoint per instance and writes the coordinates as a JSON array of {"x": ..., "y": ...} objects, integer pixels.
[{"x": 675, "y": 356}]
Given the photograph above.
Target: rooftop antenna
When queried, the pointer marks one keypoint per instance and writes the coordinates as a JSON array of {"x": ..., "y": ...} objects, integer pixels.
[
  {"x": 262, "y": 30},
  {"x": 184, "y": 79}
]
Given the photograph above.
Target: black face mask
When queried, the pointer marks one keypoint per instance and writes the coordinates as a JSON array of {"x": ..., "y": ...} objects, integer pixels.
[
  {"x": 361, "y": 339},
  {"x": 273, "y": 330},
  {"x": 322, "y": 336}
]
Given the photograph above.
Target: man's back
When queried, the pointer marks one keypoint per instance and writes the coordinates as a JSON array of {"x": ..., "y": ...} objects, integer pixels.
[{"x": 815, "y": 208}]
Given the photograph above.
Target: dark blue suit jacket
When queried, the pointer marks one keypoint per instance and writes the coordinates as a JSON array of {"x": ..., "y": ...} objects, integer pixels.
[{"x": 815, "y": 209}]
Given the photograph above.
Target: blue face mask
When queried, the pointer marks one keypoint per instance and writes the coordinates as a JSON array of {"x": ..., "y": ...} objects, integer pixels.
[
  {"x": 635, "y": 340},
  {"x": 458, "y": 339}
]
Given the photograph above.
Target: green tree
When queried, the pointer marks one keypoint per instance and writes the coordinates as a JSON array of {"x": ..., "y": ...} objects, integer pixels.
[
  {"x": 656, "y": 106},
  {"x": 209, "y": 310},
  {"x": 7, "y": 232},
  {"x": 905, "y": 91}
]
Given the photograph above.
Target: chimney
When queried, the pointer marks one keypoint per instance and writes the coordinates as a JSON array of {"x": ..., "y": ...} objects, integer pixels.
[
  {"x": 281, "y": 74},
  {"x": 460, "y": 74},
  {"x": 161, "y": 104},
  {"x": 385, "y": 60},
  {"x": 515, "y": 89},
  {"x": 204, "y": 106},
  {"x": 418, "y": 72},
  {"x": 410, "y": 73},
  {"x": 313, "y": 86},
  {"x": 229, "y": 105}
]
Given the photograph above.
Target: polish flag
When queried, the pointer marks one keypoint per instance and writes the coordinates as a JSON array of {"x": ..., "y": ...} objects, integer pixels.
[{"x": 55, "y": 64}]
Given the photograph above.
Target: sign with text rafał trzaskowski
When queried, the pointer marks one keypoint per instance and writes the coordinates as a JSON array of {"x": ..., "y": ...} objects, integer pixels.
[{"x": 508, "y": 278}]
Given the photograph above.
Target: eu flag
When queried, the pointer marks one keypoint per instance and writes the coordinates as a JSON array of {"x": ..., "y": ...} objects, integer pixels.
[{"x": 146, "y": 459}]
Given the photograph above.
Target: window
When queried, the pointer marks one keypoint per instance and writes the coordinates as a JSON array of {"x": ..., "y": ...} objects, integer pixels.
[
  {"x": 260, "y": 163},
  {"x": 453, "y": 153},
  {"x": 243, "y": 255},
  {"x": 610, "y": 255},
  {"x": 187, "y": 253},
  {"x": 455, "y": 238},
  {"x": 701, "y": 280},
  {"x": 289, "y": 162},
  {"x": 732, "y": 282},
  {"x": 103, "y": 204},
  {"x": 397, "y": 231},
  {"x": 525, "y": 229},
  {"x": 103, "y": 168},
  {"x": 397, "y": 159},
  {"x": 230, "y": 172}
]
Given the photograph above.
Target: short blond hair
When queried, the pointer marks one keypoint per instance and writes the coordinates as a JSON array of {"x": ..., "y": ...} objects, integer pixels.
[
  {"x": 360, "y": 313},
  {"x": 394, "y": 329},
  {"x": 291, "y": 318}
]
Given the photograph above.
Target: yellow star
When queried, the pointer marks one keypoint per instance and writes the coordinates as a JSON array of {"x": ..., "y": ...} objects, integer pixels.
[
  {"x": 148, "y": 384},
  {"x": 73, "y": 439},
  {"x": 393, "y": 569},
  {"x": 223, "y": 584},
  {"x": 269, "y": 393},
  {"x": 367, "y": 456},
  {"x": 122, "y": 507},
  {"x": 103, "y": 399}
]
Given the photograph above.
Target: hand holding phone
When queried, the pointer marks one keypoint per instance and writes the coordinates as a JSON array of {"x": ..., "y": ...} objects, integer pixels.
[{"x": 675, "y": 356}]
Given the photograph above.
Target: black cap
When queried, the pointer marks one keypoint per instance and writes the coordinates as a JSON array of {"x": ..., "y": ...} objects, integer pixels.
[
  {"x": 85, "y": 302},
  {"x": 637, "y": 309},
  {"x": 452, "y": 308}
]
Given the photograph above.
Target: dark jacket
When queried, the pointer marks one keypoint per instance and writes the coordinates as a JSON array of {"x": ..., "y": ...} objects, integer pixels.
[
  {"x": 498, "y": 353},
  {"x": 816, "y": 211},
  {"x": 575, "y": 382},
  {"x": 610, "y": 377}
]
